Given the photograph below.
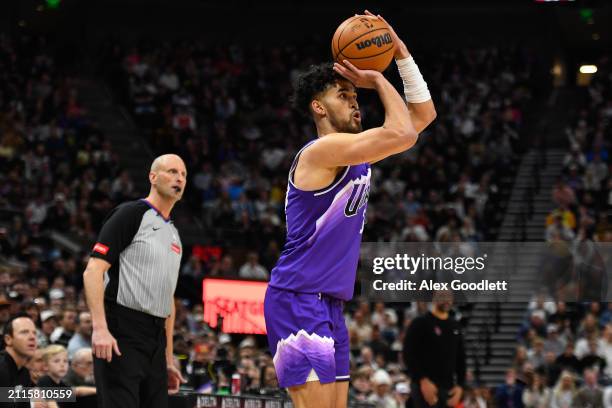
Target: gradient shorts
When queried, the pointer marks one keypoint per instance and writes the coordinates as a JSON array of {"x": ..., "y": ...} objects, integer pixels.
[{"x": 306, "y": 331}]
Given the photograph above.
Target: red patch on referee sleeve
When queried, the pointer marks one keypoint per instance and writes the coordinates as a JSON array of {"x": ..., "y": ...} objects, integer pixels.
[
  {"x": 100, "y": 248},
  {"x": 176, "y": 248}
]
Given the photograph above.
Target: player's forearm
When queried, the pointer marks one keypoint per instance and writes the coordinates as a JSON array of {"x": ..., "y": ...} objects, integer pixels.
[
  {"x": 396, "y": 112},
  {"x": 93, "y": 282},
  {"x": 422, "y": 114},
  {"x": 170, "y": 335}
]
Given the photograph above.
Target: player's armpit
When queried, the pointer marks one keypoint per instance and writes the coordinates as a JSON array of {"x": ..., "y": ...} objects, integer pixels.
[{"x": 345, "y": 149}]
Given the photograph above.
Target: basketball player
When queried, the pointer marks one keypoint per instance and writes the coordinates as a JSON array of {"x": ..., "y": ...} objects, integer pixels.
[{"x": 325, "y": 206}]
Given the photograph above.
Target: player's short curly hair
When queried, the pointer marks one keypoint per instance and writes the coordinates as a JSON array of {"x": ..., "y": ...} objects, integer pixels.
[{"x": 310, "y": 83}]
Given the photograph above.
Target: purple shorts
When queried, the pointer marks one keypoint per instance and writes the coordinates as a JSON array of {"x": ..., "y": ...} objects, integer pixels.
[{"x": 306, "y": 331}]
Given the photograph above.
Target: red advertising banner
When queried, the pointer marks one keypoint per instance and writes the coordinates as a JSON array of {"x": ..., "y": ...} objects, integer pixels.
[{"x": 238, "y": 302}]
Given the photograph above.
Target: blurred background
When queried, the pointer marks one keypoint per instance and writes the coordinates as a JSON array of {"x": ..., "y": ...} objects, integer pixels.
[{"x": 91, "y": 92}]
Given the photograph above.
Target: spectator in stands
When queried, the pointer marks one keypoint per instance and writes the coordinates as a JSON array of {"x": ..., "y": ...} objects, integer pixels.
[
  {"x": 568, "y": 360},
  {"x": 474, "y": 399},
  {"x": 536, "y": 394},
  {"x": 604, "y": 348},
  {"x": 588, "y": 329},
  {"x": 560, "y": 317},
  {"x": 224, "y": 268},
  {"x": 536, "y": 354},
  {"x": 590, "y": 394},
  {"x": 56, "y": 364},
  {"x": 592, "y": 359},
  {"x": 563, "y": 195},
  {"x": 562, "y": 395},
  {"x": 379, "y": 346},
  {"x": 574, "y": 159},
  {"x": 200, "y": 368},
  {"x": 361, "y": 327},
  {"x": 361, "y": 386},
  {"x": 402, "y": 395},
  {"x": 62, "y": 334},
  {"x": 270, "y": 381},
  {"x": 80, "y": 375},
  {"x": 82, "y": 337},
  {"x": 381, "y": 397},
  {"x": 550, "y": 369},
  {"x": 48, "y": 325},
  {"x": 367, "y": 358},
  {"x": 553, "y": 343},
  {"x": 558, "y": 230},
  {"x": 509, "y": 394},
  {"x": 19, "y": 338},
  {"x": 36, "y": 366},
  {"x": 252, "y": 269}
]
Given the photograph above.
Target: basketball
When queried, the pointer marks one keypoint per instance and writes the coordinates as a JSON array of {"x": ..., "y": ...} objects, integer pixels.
[{"x": 365, "y": 41}]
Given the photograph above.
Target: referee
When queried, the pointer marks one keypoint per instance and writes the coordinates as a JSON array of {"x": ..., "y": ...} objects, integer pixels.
[
  {"x": 435, "y": 356},
  {"x": 129, "y": 283}
]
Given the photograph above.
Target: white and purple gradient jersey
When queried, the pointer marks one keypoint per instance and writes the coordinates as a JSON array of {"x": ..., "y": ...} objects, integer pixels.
[{"x": 324, "y": 234}]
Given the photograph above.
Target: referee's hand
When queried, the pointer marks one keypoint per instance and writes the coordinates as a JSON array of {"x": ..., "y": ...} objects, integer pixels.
[
  {"x": 103, "y": 343},
  {"x": 429, "y": 391}
]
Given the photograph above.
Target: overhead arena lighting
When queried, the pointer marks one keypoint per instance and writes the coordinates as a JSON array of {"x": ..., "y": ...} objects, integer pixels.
[{"x": 588, "y": 69}]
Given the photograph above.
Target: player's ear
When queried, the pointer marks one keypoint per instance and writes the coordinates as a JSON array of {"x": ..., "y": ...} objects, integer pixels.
[{"x": 317, "y": 107}]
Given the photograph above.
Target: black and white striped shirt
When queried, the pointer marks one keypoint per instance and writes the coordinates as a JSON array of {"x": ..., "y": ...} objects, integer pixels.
[{"x": 144, "y": 250}]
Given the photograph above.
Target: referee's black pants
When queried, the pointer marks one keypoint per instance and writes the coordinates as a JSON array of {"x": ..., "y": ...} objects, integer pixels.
[{"x": 138, "y": 378}]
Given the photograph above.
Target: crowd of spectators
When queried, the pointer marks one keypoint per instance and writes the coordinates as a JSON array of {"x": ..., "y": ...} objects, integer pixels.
[
  {"x": 564, "y": 357},
  {"x": 226, "y": 111},
  {"x": 583, "y": 193},
  {"x": 565, "y": 354},
  {"x": 58, "y": 173}
]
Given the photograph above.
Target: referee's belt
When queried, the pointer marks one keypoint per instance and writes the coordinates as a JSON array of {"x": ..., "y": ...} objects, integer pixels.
[{"x": 118, "y": 310}]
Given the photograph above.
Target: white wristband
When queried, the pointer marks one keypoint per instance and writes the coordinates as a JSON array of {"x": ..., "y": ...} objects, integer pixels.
[{"x": 415, "y": 87}]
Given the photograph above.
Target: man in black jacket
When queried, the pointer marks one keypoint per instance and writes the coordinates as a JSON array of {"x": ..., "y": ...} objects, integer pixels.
[
  {"x": 19, "y": 337},
  {"x": 435, "y": 356}
]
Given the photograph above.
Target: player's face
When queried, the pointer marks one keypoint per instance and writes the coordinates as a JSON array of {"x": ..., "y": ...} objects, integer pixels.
[
  {"x": 342, "y": 108},
  {"x": 171, "y": 179}
]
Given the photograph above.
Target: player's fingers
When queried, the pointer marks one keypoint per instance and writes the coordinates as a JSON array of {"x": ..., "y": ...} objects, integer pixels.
[
  {"x": 350, "y": 66},
  {"x": 342, "y": 70}
]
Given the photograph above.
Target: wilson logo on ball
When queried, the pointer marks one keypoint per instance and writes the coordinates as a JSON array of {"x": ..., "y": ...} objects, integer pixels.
[{"x": 378, "y": 41}]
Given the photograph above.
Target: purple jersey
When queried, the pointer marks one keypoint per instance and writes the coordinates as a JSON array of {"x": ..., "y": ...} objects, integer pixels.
[{"x": 324, "y": 234}]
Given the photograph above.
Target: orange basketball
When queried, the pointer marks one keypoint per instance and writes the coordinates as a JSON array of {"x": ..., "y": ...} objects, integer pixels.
[{"x": 365, "y": 41}]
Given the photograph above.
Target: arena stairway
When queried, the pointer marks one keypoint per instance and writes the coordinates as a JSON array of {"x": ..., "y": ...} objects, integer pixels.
[{"x": 492, "y": 330}]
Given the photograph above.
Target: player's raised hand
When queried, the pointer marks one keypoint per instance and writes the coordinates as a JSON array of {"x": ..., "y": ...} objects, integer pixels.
[
  {"x": 401, "y": 51},
  {"x": 361, "y": 78}
]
